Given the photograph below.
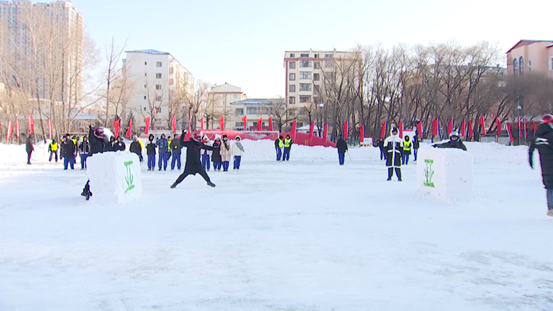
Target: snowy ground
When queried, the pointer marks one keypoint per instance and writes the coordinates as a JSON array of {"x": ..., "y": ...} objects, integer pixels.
[{"x": 302, "y": 235}]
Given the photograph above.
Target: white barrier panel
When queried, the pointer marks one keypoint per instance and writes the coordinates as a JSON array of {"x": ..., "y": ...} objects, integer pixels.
[
  {"x": 115, "y": 177},
  {"x": 445, "y": 173}
]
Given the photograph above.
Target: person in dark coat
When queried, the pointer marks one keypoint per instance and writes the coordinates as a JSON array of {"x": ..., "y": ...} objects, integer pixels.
[
  {"x": 342, "y": 147},
  {"x": 119, "y": 145},
  {"x": 136, "y": 147},
  {"x": 416, "y": 146},
  {"x": 380, "y": 145},
  {"x": 151, "y": 153},
  {"x": 216, "y": 155},
  {"x": 84, "y": 150},
  {"x": 544, "y": 143},
  {"x": 279, "y": 144},
  {"x": 176, "y": 148},
  {"x": 69, "y": 151},
  {"x": 393, "y": 145},
  {"x": 163, "y": 147},
  {"x": 29, "y": 148},
  {"x": 111, "y": 145},
  {"x": 453, "y": 143},
  {"x": 98, "y": 143},
  {"x": 193, "y": 163}
]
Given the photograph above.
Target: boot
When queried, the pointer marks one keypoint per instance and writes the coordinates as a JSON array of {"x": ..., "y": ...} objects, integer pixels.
[
  {"x": 173, "y": 186},
  {"x": 550, "y": 212},
  {"x": 209, "y": 183}
]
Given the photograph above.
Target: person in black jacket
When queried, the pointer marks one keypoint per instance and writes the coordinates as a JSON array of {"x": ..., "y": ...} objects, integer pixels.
[
  {"x": 380, "y": 145},
  {"x": 193, "y": 164},
  {"x": 151, "y": 152},
  {"x": 544, "y": 143},
  {"x": 84, "y": 150},
  {"x": 136, "y": 148},
  {"x": 453, "y": 143},
  {"x": 119, "y": 145},
  {"x": 98, "y": 143},
  {"x": 416, "y": 146},
  {"x": 216, "y": 154},
  {"x": 393, "y": 145},
  {"x": 29, "y": 148},
  {"x": 176, "y": 147},
  {"x": 342, "y": 147},
  {"x": 69, "y": 151},
  {"x": 279, "y": 144}
]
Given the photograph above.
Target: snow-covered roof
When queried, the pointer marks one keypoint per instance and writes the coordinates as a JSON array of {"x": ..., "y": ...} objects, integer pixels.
[{"x": 149, "y": 51}]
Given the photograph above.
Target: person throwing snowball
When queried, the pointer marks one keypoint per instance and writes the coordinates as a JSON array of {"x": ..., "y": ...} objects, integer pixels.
[{"x": 193, "y": 165}]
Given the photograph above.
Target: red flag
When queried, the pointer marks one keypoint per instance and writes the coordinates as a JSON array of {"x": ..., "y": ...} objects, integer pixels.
[
  {"x": 435, "y": 128},
  {"x": 31, "y": 125},
  {"x": 202, "y": 124},
  {"x": 260, "y": 124},
  {"x": 383, "y": 130},
  {"x": 129, "y": 130},
  {"x": 116, "y": 126},
  {"x": 471, "y": 130},
  {"x": 535, "y": 127},
  {"x": 293, "y": 130},
  {"x": 498, "y": 125},
  {"x": 401, "y": 129},
  {"x": 511, "y": 138},
  {"x": 346, "y": 129},
  {"x": 362, "y": 134},
  {"x": 419, "y": 129},
  {"x": 270, "y": 123},
  {"x": 50, "y": 129},
  {"x": 450, "y": 126},
  {"x": 10, "y": 130},
  {"x": 482, "y": 123},
  {"x": 17, "y": 129},
  {"x": 311, "y": 130},
  {"x": 174, "y": 124},
  {"x": 147, "y": 127},
  {"x": 245, "y": 120},
  {"x": 463, "y": 128},
  {"x": 325, "y": 132},
  {"x": 222, "y": 123}
]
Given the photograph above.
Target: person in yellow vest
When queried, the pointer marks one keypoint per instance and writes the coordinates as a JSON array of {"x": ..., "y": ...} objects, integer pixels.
[
  {"x": 53, "y": 148},
  {"x": 407, "y": 145},
  {"x": 287, "y": 147},
  {"x": 279, "y": 144},
  {"x": 169, "y": 140}
]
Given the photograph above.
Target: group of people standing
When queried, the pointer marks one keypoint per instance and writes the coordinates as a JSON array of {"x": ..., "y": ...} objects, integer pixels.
[{"x": 285, "y": 144}]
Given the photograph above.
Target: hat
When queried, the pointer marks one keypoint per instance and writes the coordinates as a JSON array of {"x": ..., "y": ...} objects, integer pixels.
[
  {"x": 394, "y": 129},
  {"x": 547, "y": 119},
  {"x": 197, "y": 137},
  {"x": 454, "y": 134}
]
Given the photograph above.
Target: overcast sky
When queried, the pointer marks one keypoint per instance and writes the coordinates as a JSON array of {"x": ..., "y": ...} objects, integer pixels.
[{"x": 242, "y": 42}]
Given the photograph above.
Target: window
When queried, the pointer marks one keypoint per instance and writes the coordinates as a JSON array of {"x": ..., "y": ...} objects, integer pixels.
[
  {"x": 305, "y": 75},
  {"x": 551, "y": 63},
  {"x": 515, "y": 66},
  {"x": 158, "y": 75},
  {"x": 145, "y": 63},
  {"x": 159, "y": 64},
  {"x": 158, "y": 109},
  {"x": 317, "y": 90},
  {"x": 158, "y": 98},
  {"x": 291, "y": 112},
  {"x": 171, "y": 82},
  {"x": 292, "y": 77},
  {"x": 529, "y": 63},
  {"x": 145, "y": 74},
  {"x": 235, "y": 96},
  {"x": 292, "y": 55},
  {"x": 317, "y": 65},
  {"x": 251, "y": 110},
  {"x": 145, "y": 86},
  {"x": 304, "y": 55},
  {"x": 316, "y": 55},
  {"x": 239, "y": 124},
  {"x": 158, "y": 87},
  {"x": 305, "y": 99},
  {"x": 306, "y": 63},
  {"x": 291, "y": 100},
  {"x": 316, "y": 76},
  {"x": 144, "y": 97},
  {"x": 292, "y": 65},
  {"x": 521, "y": 65},
  {"x": 239, "y": 111},
  {"x": 328, "y": 55},
  {"x": 291, "y": 88},
  {"x": 144, "y": 108},
  {"x": 305, "y": 87}
]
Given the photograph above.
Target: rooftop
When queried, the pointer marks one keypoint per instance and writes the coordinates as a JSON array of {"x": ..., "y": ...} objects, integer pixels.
[{"x": 150, "y": 51}]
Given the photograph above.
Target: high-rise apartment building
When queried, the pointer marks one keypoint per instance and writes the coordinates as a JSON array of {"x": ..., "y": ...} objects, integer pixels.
[
  {"x": 162, "y": 87},
  {"x": 43, "y": 42}
]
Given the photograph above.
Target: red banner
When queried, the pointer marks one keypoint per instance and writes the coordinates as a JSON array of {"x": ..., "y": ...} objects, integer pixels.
[
  {"x": 463, "y": 128},
  {"x": 383, "y": 131},
  {"x": 362, "y": 134},
  {"x": 31, "y": 125},
  {"x": 419, "y": 129},
  {"x": 482, "y": 123},
  {"x": 245, "y": 120},
  {"x": 471, "y": 130},
  {"x": 202, "y": 124},
  {"x": 325, "y": 132},
  {"x": 50, "y": 130},
  {"x": 147, "y": 126},
  {"x": 400, "y": 129},
  {"x": 116, "y": 126},
  {"x": 17, "y": 132},
  {"x": 260, "y": 124},
  {"x": 346, "y": 129},
  {"x": 311, "y": 130},
  {"x": 129, "y": 130},
  {"x": 435, "y": 128},
  {"x": 535, "y": 127},
  {"x": 511, "y": 138},
  {"x": 10, "y": 130},
  {"x": 498, "y": 125},
  {"x": 450, "y": 127},
  {"x": 222, "y": 123},
  {"x": 270, "y": 123},
  {"x": 293, "y": 130},
  {"x": 174, "y": 123}
]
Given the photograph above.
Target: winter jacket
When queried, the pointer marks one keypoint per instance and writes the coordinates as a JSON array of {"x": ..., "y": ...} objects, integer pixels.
[
  {"x": 97, "y": 145},
  {"x": 176, "y": 146},
  {"x": 84, "y": 147},
  {"x": 544, "y": 143},
  {"x": 53, "y": 147},
  {"x": 279, "y": 143},
  {"x": 225, "y": 151},
  {"x": 29, "y": 145},
  {"x": 407, "y": 147},
  {"x": 393, "y": 146},
  {"x": 193, "y": 163},
  {"x": 163, "y": 145},
  {"x": 416, "y": 143},
  {"x": 69, "y": 149},
  {"x": 216, "y": 154},
  {"x": 237, "y": 149},
  {"x": 458, "y": 144},
  {"x": 151, "y": 148},
  {"x": 342, "y": 145},
  {"x": 119, "y": 146},
  {"x": 136, "y": 148},
  {"x": 288, "y": 142}
]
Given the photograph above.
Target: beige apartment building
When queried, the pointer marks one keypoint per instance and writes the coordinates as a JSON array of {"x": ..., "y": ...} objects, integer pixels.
[
  {"x": 531, "y": 56},
  {"x": 161, "y": 88},
  {"x": 220, "y": 98}
]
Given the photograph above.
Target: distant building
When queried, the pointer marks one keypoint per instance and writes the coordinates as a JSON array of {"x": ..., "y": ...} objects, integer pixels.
[
  {"x": 162, "y": 86},
  {"x": 219, "y": 102},
  {"x": 253, "y": 109},
  {"x": 531, "y": 56}
]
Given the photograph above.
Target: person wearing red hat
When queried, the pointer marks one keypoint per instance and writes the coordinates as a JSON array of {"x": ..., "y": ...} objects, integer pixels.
[
  {"x": 544, "y": 143},
  {"x": 193, "y": 164}
]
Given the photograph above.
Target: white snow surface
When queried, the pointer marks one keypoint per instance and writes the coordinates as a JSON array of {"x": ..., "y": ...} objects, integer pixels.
[{"x": 303, "y": 235}]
